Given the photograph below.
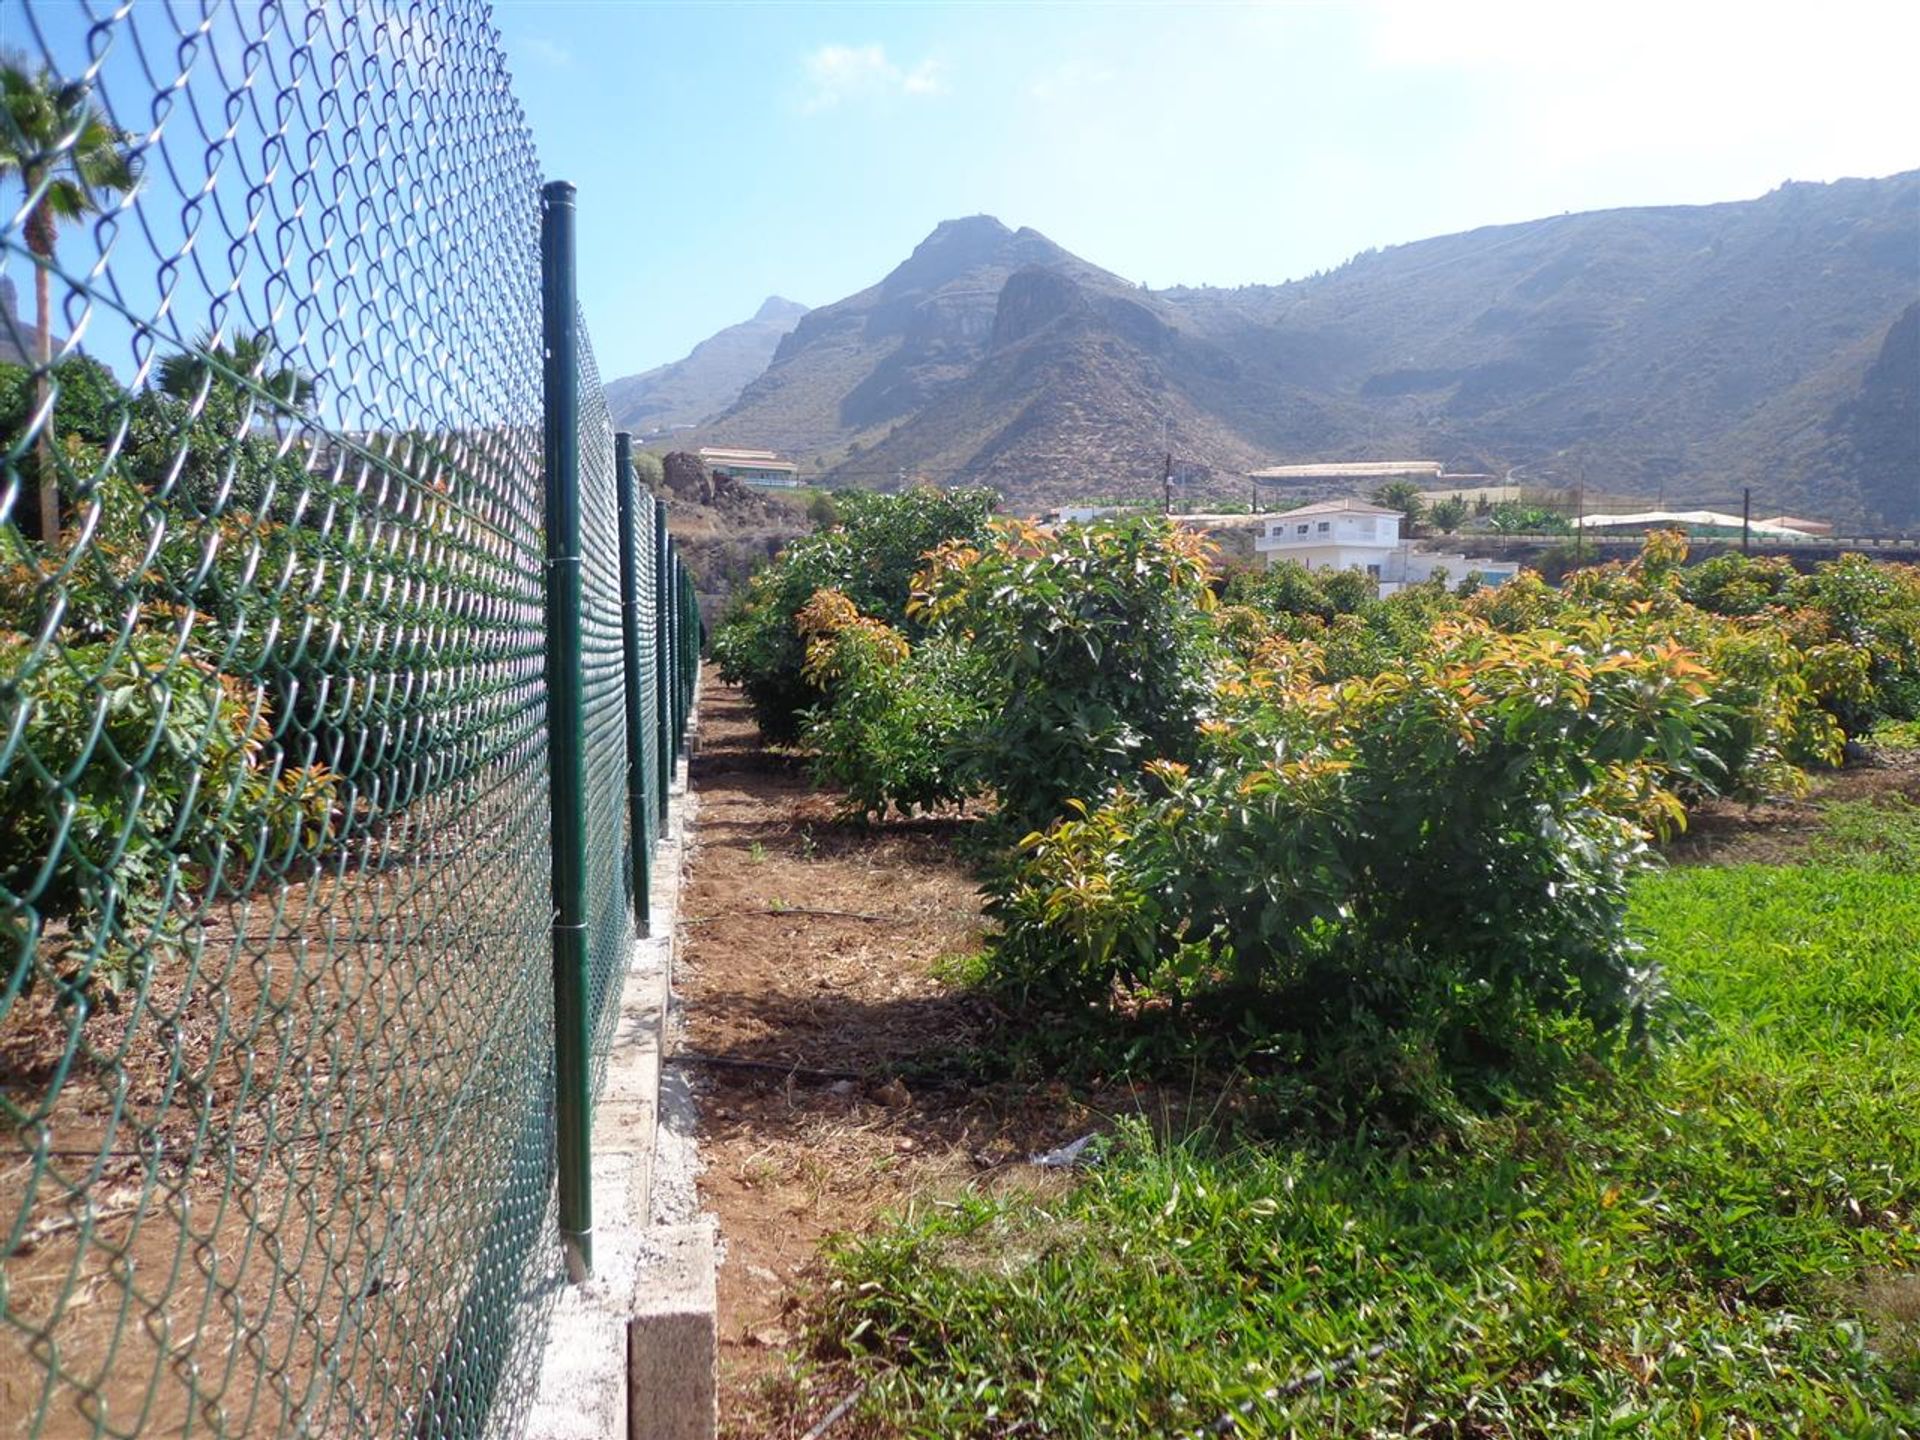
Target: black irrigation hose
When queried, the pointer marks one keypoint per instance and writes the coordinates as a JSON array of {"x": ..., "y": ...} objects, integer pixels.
[
  {"x": 729, "y": 1062},
  {"x": 1320, "y": 1375}
]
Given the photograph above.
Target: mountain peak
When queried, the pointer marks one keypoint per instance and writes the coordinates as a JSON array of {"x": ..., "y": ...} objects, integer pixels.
[
  {"x": 952, "y": 249},
  {"x": 708, "y": 378},
  {"x": 993, "y": 353},
  {"x": 969, "y": 226}
]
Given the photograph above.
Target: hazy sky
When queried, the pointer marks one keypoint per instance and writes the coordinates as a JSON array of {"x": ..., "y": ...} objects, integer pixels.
[{"x": 728, "y": 152}]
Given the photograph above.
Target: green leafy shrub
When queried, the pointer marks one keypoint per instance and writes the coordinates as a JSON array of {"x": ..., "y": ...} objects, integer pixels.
[
  {"x": 1870, "y": 607},
  {"x": 203, "y": 567},
  {"x": 1512, "y": 517},
  {"x": 1288, "y": 588},
  {"x": 1874, "y": 608},
  {"x": 89, "y": 410},
  {"x": 1096, "y": 637},
  {"x": 890, "y": 732},
  {"x": 1463, "y": 826},
  {"x": 88, "y": 403},
  {"x": 205, "y": 460},
  {"x": 1776, "y": 682},
  {"x": 869, "y": 556},
  {"x": 139, "y": 776},
  {"x": 1736, "y": 584}
]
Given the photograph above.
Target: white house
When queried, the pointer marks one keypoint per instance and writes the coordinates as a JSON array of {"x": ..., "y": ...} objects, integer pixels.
[
  {"x": 1078, "y": 514},
  {"x": 1353, "y": 535}
]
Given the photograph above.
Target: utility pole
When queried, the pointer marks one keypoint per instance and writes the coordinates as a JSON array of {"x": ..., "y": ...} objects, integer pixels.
[
  {"x": 1166, "y": 485},
  {"x": 1580, "y": 514},
  {"x": 1746, "y": 520}
]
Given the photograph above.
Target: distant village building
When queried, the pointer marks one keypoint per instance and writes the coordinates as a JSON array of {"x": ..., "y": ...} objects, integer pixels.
[
  {"x": 1781, "y": 527},
  {"x": 1353, "y": 535},
  {"x": 1357, "y": 473},
  {"x": 753, "y": 467},
  {"x": 1353, "y": 472},
  {"x": 1797, "y": 522}
]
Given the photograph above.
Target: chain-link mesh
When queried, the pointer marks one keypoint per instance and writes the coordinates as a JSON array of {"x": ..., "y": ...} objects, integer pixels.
[
  {"x": 644, "y": 664},
  {"x": 276, "y": 1037},
  {"x": 604, "y": 700}
]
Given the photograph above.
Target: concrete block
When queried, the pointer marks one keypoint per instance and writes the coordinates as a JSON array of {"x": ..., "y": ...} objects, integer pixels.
[
  {"x": 673, "y": 1337},
  {"x": 582, "y": 1396}
]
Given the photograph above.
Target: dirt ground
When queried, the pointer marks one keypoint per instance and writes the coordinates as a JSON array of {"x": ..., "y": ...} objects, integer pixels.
[
  {"x": 810, "y": 982},
  {"x": 215, "y": 1179},
  {"x": 1783, "y": 832}
]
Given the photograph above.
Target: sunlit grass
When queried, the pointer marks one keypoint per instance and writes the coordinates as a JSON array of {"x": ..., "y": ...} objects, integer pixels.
[{"x": 1725, "y": 1241}]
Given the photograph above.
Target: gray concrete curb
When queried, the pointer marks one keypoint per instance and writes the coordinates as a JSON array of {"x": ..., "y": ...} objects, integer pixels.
[{"x": 631, "y": 1353}]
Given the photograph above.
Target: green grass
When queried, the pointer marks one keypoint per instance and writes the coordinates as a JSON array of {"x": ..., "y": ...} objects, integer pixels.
[
  {"x": 1897, "y": 734},
  {"x": 1722, "y": 1242}
]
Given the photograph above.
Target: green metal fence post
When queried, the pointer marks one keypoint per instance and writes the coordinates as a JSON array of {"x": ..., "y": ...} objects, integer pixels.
[
  {"x": 630, "y": 602},
  {"x": 566, "y": 729},
  {"x": 688, "y": 651},
  {"x": 690, "y": 601},
  {"x": 679, "y": 640},
  {"x": 663, "y": 669},
  {"x": 689, "y": 609}
]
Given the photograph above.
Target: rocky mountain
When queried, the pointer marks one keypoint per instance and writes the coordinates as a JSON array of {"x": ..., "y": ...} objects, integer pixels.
[
  {"x": 1867, "y": 443},
  {"x": 708, "y": 379},
  {"x": 1686, "y": 349},
  {"x": 851, "y": 370}
]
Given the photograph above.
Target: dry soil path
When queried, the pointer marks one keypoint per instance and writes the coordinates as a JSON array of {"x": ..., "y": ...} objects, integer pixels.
[{"x": 812, "y": 1002}]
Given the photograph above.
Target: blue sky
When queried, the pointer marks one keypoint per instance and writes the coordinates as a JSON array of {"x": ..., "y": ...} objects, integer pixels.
[
  {"x": 728, "y": 152},
  {"x": 725, "y": 152}
]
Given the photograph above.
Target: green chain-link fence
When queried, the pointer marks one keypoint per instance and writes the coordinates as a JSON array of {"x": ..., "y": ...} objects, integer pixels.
[{"x": 278, "y": 1109}]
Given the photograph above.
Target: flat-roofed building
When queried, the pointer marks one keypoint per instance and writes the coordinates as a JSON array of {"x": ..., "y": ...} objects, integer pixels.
[
  {"x": 1357, "y": 472},
  {"x": 1353, "y": 535},
  {"x": 763, "y": 468},
  {"x": 1798, "y": 522}
]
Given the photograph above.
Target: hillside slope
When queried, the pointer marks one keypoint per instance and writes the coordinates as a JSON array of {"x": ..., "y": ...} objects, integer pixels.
[
  {"x": 1687, "y": 349},
  {"x": 1869, "y": 442},
  {"x": 708, "y": 378},
  {"x": 1677, "y": 346},
  {"x": 852, "y": 369}
]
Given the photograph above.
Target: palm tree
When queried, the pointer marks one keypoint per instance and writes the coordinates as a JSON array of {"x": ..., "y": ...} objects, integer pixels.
[
  {"x": 1404, "y": 496},
  {"x": 69, "y": 156},
  {"x": 1448, "y": 515},
  {"x": 252, "y": 355}
]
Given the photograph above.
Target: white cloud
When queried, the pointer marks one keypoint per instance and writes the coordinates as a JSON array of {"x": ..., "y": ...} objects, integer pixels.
[
  {"x": 547, "y": 51},
  {"x": 839, "y": 73},
  {"x": 1069, "y": 80},
  {"x": 1808, "y": 92}
]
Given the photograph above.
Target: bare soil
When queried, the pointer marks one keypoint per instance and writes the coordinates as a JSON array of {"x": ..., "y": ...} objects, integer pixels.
[
  {"x": 1783, "y": 832},
  {"x": 810, "y": 977},
  {"x": 227, "y": 1186}
]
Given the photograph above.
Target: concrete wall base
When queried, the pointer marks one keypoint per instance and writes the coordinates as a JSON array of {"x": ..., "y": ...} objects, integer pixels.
[{"x": 632, "y": 1353}]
